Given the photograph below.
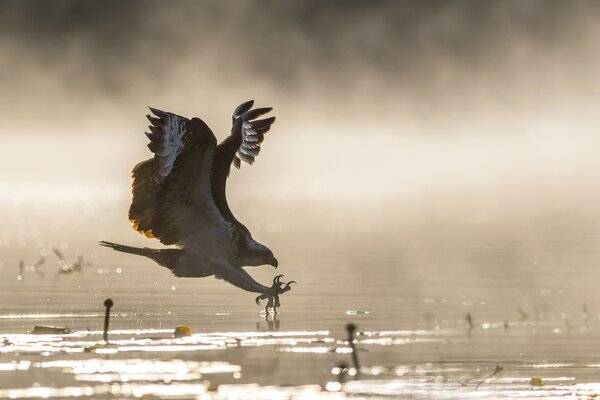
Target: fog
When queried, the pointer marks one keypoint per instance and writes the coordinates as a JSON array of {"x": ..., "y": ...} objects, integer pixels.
[{"x": 445, "y": 124}]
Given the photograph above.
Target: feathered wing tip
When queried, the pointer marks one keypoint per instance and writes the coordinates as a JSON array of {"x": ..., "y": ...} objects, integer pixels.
[
  {"x": 166, "y": 136},
  {"x": 253, "y": 131},
  {"x": 242, "y": 108}
]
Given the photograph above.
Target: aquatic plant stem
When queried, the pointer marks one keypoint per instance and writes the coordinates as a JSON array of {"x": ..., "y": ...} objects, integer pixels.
[
  {"x": 351, "y": 328},
  {"x": 108, "y": 303}
]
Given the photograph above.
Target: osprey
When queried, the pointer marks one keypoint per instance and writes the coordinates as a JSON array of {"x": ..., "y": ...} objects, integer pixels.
[{"x": 179, "y": 198}]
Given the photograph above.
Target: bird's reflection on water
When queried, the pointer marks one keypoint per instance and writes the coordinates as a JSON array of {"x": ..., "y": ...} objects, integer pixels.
[{"x": 270, "y": 322}]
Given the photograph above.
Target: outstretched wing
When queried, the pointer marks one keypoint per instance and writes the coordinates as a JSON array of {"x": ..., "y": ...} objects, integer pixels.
[
  {"x": 172, "y": 198},
  {"x": 251, "y": 130},
  {"x": 243, "y": 144}
]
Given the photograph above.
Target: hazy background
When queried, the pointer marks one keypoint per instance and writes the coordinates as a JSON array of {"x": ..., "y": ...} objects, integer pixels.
[{"x": 442, "y": 132}]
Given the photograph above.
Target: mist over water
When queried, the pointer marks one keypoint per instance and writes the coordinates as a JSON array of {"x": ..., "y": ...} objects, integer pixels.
[{"x": 397, "y": 121}]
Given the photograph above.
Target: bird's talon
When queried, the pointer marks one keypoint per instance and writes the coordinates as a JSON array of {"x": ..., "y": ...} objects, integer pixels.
[
  {"x": 277, "y": 304},
  {"x": 287, "y": 286},
  {"x": 277, "y": 279},
  {"x": 273, "y": 294},
  {"x": 259, "y": 298}
]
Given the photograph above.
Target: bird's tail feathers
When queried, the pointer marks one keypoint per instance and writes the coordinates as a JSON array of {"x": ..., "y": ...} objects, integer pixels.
[
  {"x": 166, "y": 257},
  {"x": 128, "y": 249}
]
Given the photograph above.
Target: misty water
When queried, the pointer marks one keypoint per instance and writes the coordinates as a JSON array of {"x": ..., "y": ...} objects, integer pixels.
[{"x": 464, "y": 311}]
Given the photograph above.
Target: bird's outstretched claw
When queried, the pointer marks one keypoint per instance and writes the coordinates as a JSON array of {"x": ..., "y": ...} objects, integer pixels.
[
  {"x": 277, "y": 279},
  {"x": 287, "y": 286},
  {"x": 272, "y": 295},
  {"x": 261, "y": 297}
]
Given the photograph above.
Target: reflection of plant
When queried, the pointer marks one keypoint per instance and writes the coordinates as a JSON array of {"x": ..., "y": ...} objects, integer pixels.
[
  {"x": 34, "y": 268},
  {"x": 496, "y": 371},
  {"x": 67, "y": 267}
]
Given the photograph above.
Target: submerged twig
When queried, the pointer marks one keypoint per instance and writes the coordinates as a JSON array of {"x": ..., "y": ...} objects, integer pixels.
[
  {"x": 49, "y": 330},
  {"x": 523, "y": 314},
  {"x": 469, "y": 319},
  {"x": 20, "y": 276}
]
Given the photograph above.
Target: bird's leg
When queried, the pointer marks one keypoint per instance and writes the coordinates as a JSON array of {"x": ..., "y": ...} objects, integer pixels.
[
  {"x": 276, "y": 286},
  {"x": 282, "y": 287},
  {"x": 269, "y": 319},
  {"x": 277, "y": 304},
  {"x": 269, "y": 305}
]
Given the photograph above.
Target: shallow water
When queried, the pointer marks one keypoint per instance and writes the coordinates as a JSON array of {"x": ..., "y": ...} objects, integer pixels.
[{"x": 414, "y": 337}]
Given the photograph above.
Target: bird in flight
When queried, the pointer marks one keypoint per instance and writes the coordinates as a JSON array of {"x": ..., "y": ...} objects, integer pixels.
[{"x": 179, "y": 198}]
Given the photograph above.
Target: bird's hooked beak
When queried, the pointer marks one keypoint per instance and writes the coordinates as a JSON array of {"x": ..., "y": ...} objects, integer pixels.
[{"x": 274, "y": 262}]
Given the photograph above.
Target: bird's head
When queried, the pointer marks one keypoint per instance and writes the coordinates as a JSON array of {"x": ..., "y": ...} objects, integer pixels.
[
  {"x": 272, "y": 260},
  {"x": 254, "y": 254},
  {"x": 265, "y": 256}
]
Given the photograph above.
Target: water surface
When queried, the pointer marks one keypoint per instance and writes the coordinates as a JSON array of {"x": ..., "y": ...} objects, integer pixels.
[{"x": 425, "y": 330}]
